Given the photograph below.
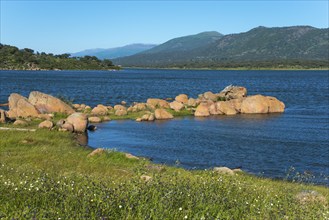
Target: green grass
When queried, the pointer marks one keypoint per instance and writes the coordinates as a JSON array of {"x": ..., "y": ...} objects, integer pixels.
[{"x": 46, "y": 174}]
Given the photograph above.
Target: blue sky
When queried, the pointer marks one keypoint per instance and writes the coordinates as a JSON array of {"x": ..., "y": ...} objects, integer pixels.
[{"x": 71, "y": 26}]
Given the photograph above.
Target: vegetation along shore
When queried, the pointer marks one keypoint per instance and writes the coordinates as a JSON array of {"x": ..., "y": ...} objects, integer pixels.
[{"x": 45, "y": 173}]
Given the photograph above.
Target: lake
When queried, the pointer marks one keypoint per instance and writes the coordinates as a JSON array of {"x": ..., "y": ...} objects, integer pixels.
[{"x": 267, "y": 145}]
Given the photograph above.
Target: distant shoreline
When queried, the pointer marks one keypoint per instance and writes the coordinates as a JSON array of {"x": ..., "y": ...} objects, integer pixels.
[{"x": 177, "y": 68}]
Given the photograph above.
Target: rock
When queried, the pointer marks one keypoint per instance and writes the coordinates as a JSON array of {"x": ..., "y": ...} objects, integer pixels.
[
  {"x": 191, "y": 102},
  {"x": 98, "y": 151},
  {"x": 92, "y": 128},
  {"x": 146, "y": 178},
  {"x": 177, "y": 106},
  {"x": 123, "y": 103},
  {"x": 120, "y": 107},
  {"x": 138, "y": 119},
  {"x": 236, "y": 104},
  {"x": 226, "y": 108},
  {"x": 19, "y": 106},
  {"x": 3, "y": 116},
  {"x": 99, "y": 110},
  {"x": 130, "y": 156},
  {"x": 275, "y": 105},
  {"x": 106, "y": 118},
  {"x": 45, "y": 116},
  {"x": 145, "y": 117},
  {"x": 151, "y": 117},
  {"x": 213, "y": 110},
  {"x": 20, "y": 122},
  {"x": 76, "y": 106},
  {"x": 79, "y": 121},
  {"x": 158, "y": 103},
  {"x": 224, "y": 170},
  {"x": 182, "y": 98},
  {"x": 255, "y": 104},
  {"x": 121, "y": 112},
  {"x": 233, "y": 92},
  {"x": 94, "y": 119},
  {"x": 202, "y": 110},
  {"x": 139, "y": 107},
  {"x": 61, "y": 122},
  {"x": 68, "y": 127},
  {"x": 161, "y": 114},
  {"x": 46, "y": 124},
  {"x": 49, "y": 104},
  {"x": 210, "y": 96}
]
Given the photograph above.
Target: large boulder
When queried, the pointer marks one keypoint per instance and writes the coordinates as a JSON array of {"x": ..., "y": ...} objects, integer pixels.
[
  {"x": 275, "y": 105},
  {"x": 3, "y": 116},
  {"x": 177, "y": 106},
  {"x": 202, "y": 110},
  {"x": 226, "y": 108},
  {"x": 99, "y": 110},
  {"x": 19, "y": 106},
  {"x": 79, "y": 121},
  {"x": 233, "y": 92},
  {"x": 161, "y": 114},
  {"x": 46, "y": 124},
  {"x": 158, "y": 103},
  {"x": 182, "y": 98},
  {"x": 49, "y": 104},
  {"x": 255, "y": 104}
]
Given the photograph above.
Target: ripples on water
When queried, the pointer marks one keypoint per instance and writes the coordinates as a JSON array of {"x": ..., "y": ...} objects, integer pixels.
[{"x": 262, "y": 144}]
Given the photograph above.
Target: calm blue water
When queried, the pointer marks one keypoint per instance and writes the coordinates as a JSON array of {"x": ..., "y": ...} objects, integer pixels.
[{"x": 266, "y": 145}]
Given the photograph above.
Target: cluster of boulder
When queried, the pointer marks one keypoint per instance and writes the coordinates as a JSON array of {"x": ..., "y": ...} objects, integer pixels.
[
  {"x": 42, "y": 106},
  {"x": 230, "y": 101}
]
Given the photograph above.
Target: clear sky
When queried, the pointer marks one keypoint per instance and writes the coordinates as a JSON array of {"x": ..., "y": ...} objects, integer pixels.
[{"x": 71, "y": 26}]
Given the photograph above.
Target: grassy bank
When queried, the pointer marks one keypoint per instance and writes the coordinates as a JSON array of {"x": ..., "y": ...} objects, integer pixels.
[{"x": 46, "y": 174}]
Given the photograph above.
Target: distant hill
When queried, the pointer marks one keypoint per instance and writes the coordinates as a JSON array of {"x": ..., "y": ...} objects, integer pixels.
[
  {"x": 260, "y": 47},
  {"x": 114, "y": 52}
]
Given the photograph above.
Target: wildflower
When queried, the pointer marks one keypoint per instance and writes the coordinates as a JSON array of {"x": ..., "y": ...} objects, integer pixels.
[
  {"x": 120, "y": 206},
  {"x": 180, "y": 209},
  {"x": 185, "y": 217}
]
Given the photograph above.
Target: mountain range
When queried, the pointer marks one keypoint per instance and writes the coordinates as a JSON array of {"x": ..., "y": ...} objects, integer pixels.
[
  {"x": 261, "y": 46},
  {"x": 112, "y": 53}
]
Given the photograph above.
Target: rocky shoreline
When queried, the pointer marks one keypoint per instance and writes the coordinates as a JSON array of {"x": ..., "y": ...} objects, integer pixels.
[{"x": 231, "y": 100}]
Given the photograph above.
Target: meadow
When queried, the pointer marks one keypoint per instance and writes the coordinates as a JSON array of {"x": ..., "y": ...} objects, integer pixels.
[{"x": 47, "y": 174}]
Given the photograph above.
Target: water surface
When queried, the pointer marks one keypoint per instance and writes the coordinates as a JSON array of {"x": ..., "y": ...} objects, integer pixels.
[{"x": 261, "y": 144}]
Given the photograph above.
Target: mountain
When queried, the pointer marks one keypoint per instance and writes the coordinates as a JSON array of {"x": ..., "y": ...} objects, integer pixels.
[
  {"x": 259, "y": 47},
  {"x": 114, "y": 52}
]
